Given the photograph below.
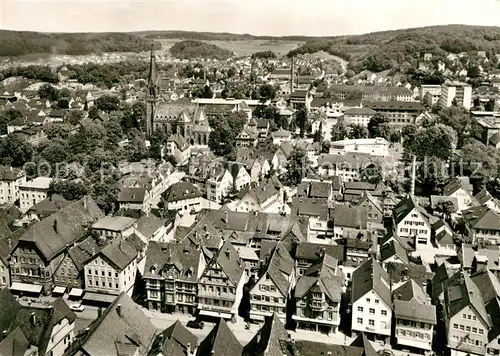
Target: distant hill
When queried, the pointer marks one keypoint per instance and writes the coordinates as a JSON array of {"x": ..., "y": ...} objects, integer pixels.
[
  {"x": 380, "y": 51},
  {"x": 17, "y": 43},
  {"x": 216, "y": 36},
  {"x": 190, "y": 49}
]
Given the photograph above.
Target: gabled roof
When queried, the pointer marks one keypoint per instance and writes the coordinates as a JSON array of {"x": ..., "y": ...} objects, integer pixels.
[
  {"x": 459, "y": 292},
  {"x": 180, "y": 191},
  {"x": 362, "y": 341},
  {"x": 15, "y": 344},
  {"x": 267, "y": 340},
  {"x": 123, "y": 322},
  {"x": 316, "y": 207},
  {"x": 370, "y": 276},
  {"x": 311, "y": 251},
  {"x": 488, "y": 285},
  {"x": 229, "y": 260},
  {"x": 279, "y": 268},
  {"x": 132, "y": 194},
  {"x": 456, "y": 184},
  {"x": 482, "y": 217},
  {"x": 314, "y": 348},
  {"x": 349, "y": 216},
  {"x": 410, "y": 290},
  {"x": 52, "y": 234},
  {"x": 186, "y": 259},
  {"x": 49, "y": 205},
  {"x": 119, "y": 253},
  {"x": 83, "y": 251},
  {"x": 220, "y": 341},
  {"x": 321, "y": 277},
  {"x": 404, "y": 207},
  {"x": 393, "y": 249},
  {"x": 415, "y": 311},
  {"x": 176, "y": 340}
]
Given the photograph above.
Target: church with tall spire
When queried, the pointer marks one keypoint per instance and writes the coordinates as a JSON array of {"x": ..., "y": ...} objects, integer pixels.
[{"x": 152, "y": 94}]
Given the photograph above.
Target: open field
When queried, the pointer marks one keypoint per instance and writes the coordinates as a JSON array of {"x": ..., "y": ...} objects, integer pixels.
[{"x": 241, "y": 48}]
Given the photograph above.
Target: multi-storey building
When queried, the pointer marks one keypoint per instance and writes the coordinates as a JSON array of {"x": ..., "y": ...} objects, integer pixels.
[
  {"x": 358, "y": 116},
  {"x": 412, "y": 221},
  {"x": 220, "y": 286},
  {"x": 29, "y": 330},
  {"x": 10, "y": 180},
  {"x": 430, "y": 94},
  {"x": 318, "y": 294},
  {"x": 456, "y": 92},
  {"x": 399, "y": 113},
  {"x": 370, "y": 93},
  {"x": 114, "y": 227},
  {"x": 272, "y": 290},
  {"x": 183, "y": 197},
  {"x": 318, "y": 212},
  {"x": 171, "y": 274},
  {"x": 39, "y": 251},
  {"x": 33, "y": 192},
  {"x": 466, "y": 320},
  {"x": 112, "y": 270},
  {"x": 371, "y": 300},
  {"x": 482, "y": 225},
  {"x": 415, "y": 316}
]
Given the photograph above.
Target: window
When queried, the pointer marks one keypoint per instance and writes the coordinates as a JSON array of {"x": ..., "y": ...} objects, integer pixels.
[
  {"x": 360, "y": 309},
  {"x": 368, "y": 300},
  {"x": 462, "y": 327},
  {"x": 372, "y": 311},
  {"x": 371, "y": 322},
  {"x": 383, "y": 312},
  {"x": 360, "y": 320},
  {"x": 109, "y": 273},
  {"x": 376, "y": 301},
  {"x": 474, "y": 330},
  {"x": 455, "y": 326},
  {"x": 467, "y": 328}
]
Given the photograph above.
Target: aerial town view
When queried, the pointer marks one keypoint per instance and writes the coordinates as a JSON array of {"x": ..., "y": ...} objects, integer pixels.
[{"x": 261, "y": 178}]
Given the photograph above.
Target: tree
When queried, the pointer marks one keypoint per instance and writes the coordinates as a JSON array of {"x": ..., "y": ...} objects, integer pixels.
[
  {"x": 433, "y": 173},
  {"x": 55, "y": 153},
  {"x": 490, "y": 105},
  {"x": 267, "y": 92},
  {"x": 357, "y": 131},
  {"x": 222, "y": 139},
  {"x": 459, "y": 120},
  {"x": 114, "y": 133},
  {"x": 48, "y": 92},
  {"x": 107, "y": 103},
  {"x": 445, "y": 208},
  {"x": 377, "y": 120},
  {"x": 479, "y": 161},
  {"x": 435, "y": 141},
  {"x": 373, "y": 173},
  {"x": 15, "y": 151},
  {"x": 339, "y": 132},
  {"x": 301, "y": 120},
  {"x": 297, "y": 167},
  {"x": 75, "y": 116},
  {"x": 69, "y": 190},
  {"x": 473, "y": 71}
]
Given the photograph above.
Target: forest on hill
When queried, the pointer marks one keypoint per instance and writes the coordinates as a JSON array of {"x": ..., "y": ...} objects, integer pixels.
[
  {"x": 18, "y": 43},
  {"x": 190, "y": 49},
  {"x": 380, "y": 51}
]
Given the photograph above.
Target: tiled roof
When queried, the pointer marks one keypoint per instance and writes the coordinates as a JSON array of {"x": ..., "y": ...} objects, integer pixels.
[
  {"x": 488, "y": 285},
  {"x": 317, "y": 207},
  {"x": 184, "y": 257},
  {"x": 260, "y": 193},
  {"x": 120, "y": 253},
  {"x": 321, "y": 277},
  {"x": 176, "y": 340},
  {"x": 280, "y": 267},
  {"x": 230, "y": 262},
  {"x": 49, "y": 206},
  {"x": 410, "y": 290},
  {"x": 128, "y": 326},
  {"x": 315, "y": 348},
  {"x": 9, "y": 173},
  {"x": 370, "y": 276},
  {"x": 415, "y": 311},
  {"x": 132, "y": 194},
  {"x": 83, "y": 251},
  {"x": 180, "y": 191},
  {"x": 68, "y": 225},
  {"x": 267, "y": 340},
  {"x": 349, "y": 216},
  {"x": 311, "y": 251},
  {"x": 149, "y": 224},
  {"x": 460, "y": 291},
  {"x": 220, "y": 341},
  {"x": 393, "y": 249}
]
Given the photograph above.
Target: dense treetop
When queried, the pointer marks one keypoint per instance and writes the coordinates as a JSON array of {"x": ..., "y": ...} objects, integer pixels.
[
  {"x": 379, "y": 51},
  {"x": 17, "y": 43},
  {"x": 196, "y": 49}
]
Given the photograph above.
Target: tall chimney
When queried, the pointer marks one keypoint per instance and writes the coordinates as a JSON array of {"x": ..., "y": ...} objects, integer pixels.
[
  {"x": 413, "y": 175},
  {"x": 119, "y": 310},
  {"x": 292, "y": 70}
]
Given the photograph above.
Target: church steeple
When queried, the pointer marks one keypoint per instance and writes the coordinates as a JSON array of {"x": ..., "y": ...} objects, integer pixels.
[{"x": 151, "y": 93}]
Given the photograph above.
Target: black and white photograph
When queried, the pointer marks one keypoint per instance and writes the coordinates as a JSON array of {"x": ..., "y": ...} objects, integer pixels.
[{"x": 249, "y": 178}]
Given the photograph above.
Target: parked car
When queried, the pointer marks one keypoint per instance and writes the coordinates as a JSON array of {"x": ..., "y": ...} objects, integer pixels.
[
  {"x": 78, "y": 307},
  {"x": 195, "y": 324}
]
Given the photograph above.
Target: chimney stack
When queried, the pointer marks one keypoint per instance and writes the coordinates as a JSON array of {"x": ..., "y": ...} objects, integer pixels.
[
  {"x": 226, "y": 217},
  {"x": 10, "y": 245},
  {"x": 55, "y": 226},
  {"x": 85, "y": 202},
  {"x": 33, "y": 319},
  {"x": 119, "y": 309},
  {"x": 413, "y": 175}
]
